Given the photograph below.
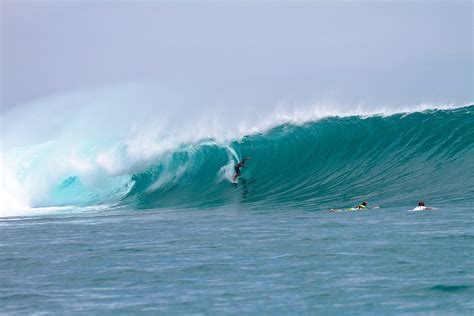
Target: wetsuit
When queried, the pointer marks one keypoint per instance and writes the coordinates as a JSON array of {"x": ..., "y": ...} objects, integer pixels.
[{"x": 237, "y": 168}]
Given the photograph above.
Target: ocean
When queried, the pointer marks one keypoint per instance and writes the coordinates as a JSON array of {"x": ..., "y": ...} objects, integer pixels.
[{"x": 95, "y": 230}]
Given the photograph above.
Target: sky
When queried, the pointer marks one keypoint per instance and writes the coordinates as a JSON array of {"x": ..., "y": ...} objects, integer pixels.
[{"x": 355, "y": 51}]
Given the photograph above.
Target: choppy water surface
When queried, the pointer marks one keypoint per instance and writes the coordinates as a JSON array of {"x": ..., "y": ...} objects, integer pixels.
[{"x": 240, "y": 260}]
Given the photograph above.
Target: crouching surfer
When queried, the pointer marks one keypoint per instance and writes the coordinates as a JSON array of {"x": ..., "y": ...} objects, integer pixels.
[{"x": 237, "y": 167}]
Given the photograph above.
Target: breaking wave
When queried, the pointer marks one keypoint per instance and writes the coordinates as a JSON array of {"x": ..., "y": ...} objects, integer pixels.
[{"x": 314, "y": 164}]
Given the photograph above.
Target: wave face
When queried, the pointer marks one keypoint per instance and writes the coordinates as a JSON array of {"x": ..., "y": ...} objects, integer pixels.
[{"x": 334, "y": 162}]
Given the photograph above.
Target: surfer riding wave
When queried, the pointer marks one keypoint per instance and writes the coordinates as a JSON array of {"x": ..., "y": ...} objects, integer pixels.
[{"x": 237, "y": 167}]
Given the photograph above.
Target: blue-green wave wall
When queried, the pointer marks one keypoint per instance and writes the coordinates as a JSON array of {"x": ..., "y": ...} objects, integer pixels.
[{"x": 334, "y": 162}]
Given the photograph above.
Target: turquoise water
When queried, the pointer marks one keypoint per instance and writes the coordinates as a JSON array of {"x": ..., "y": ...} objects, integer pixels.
[
  {"x": 171, "y": 234},
  {"x": 234, "y": 261}
]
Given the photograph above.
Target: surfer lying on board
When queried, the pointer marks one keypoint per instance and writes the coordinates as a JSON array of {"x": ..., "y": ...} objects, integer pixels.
[
  {"x": 421, "y": 207},
  {"x": 362, "y": 206},
  {"x": 237, "y": 167}
]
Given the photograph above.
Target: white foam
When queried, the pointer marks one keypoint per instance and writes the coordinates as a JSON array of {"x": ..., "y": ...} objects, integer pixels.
[{"x": 12, "y": 196}]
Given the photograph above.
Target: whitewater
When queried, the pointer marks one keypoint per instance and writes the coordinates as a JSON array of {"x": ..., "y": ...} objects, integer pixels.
[{"x": 122, "y": 202}]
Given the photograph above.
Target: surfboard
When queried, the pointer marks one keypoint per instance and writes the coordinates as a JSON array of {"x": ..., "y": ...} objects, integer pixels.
[
  {"x": 423, "y": 208},
  {"x": 355, "y": 209}
]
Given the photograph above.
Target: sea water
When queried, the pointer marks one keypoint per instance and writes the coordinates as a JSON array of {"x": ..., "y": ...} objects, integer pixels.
[{"x": 240, "y": 261}]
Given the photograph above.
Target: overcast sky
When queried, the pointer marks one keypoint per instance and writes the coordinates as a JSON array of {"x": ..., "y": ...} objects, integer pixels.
[{"x": 387, "y": 52}]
